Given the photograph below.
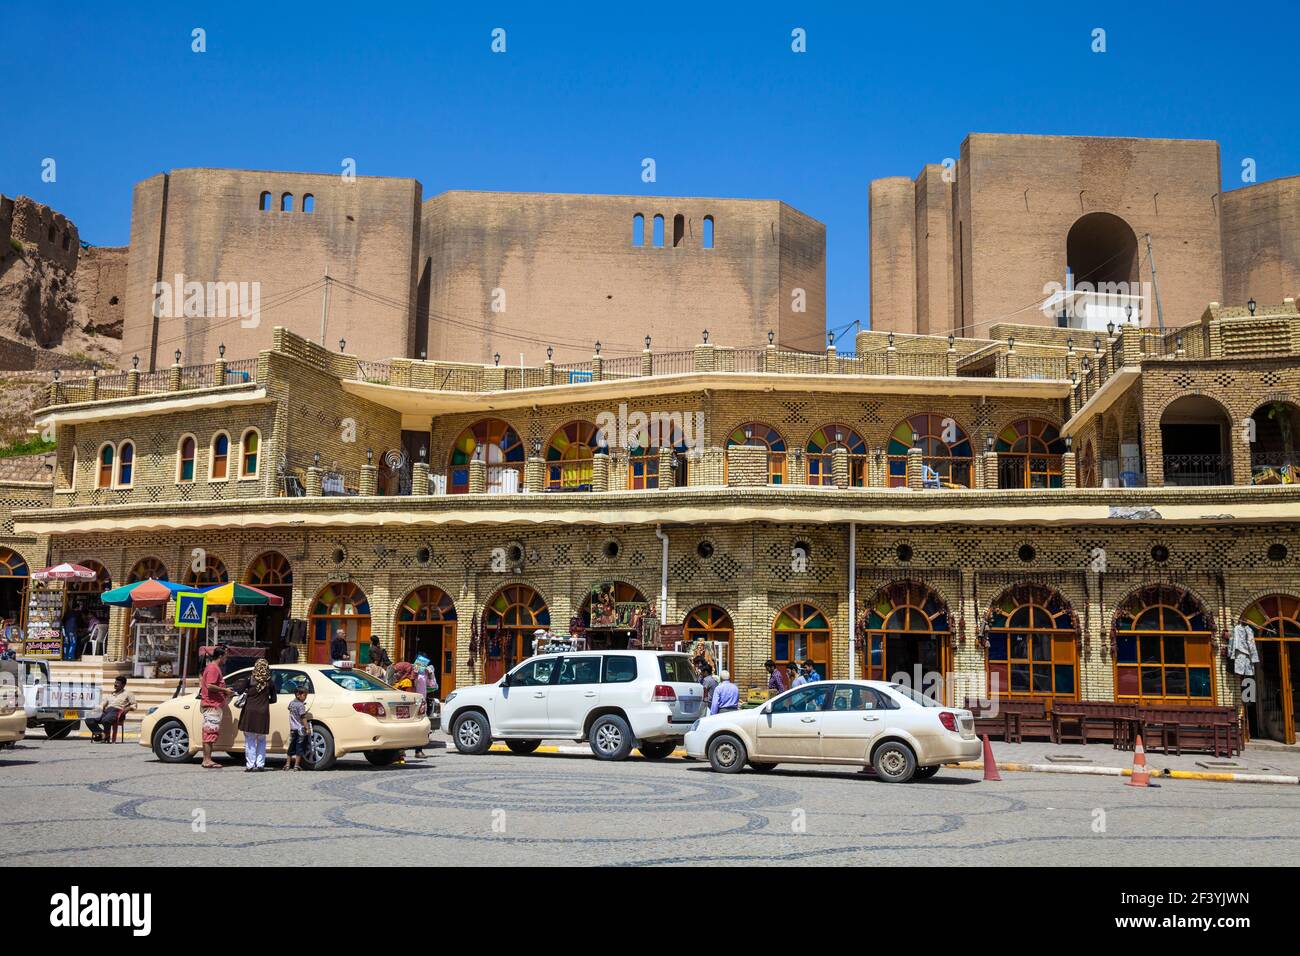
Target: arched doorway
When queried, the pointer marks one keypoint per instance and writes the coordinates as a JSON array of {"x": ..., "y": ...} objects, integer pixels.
[
  {"x": 340, "y": 605},
  {"x": 1029, "y": 454},
  {"x": 570, "y": 455},
  {"x": 271, "y": 571},
  {"x": 907, "y": 637},
  {"x": 1032, "y": 646},
  {"x": 85, "y": 596},
  {"x": 1275, "y": 620},
  {"x": 509, "y": 619},
  {"x": 1195, "y": 438},
  {"x": 820, "y": 455},
  {"x": 712, "y": 625},
  {"x": 762, "y": 435},
  {"x": 611, "y": 614},
  {"x": 1102, "y": 248},
  {"x": 1163, "y": 648},
  {"x": 143, "y": 570},
  {"x": 802, "y": 632},
  {"x": 426, "y": 625},
  {"x": 496, "y": 443},
  {"x": 1273, "y": 458},
  {"x": 945, "y": 451},
  {"x": 15, "y": 576}
]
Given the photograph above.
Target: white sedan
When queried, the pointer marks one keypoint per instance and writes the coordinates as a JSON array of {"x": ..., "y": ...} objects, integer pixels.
[{"x": 899, "y": 732}]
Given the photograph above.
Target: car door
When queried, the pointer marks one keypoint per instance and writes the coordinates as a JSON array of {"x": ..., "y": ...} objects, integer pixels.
[
  {"x": 522, "y": 705},
  {"x": 575, "y": 692},
  {"x": 231, "y": 737},
  {"x": 789, "y": 727},
  {"x": 286, "y": 682},
  {"x": 854, "y": 716}
]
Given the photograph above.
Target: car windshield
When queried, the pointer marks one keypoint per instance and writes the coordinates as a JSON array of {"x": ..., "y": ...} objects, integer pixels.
[
  {"x": 354, "y": 680},
  {"x": 676, "y": 668},
  {"x": 915, "y": 695}
]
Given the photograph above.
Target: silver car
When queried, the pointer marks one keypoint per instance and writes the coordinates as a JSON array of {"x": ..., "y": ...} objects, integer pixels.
[{"x": 901, "y": 733}]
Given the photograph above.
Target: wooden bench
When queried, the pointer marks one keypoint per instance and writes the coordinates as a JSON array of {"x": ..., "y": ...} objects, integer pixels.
[
  {"x": 1092, "y": 719},
  {"x": 1213, "y": 729},
  {"x": 1009, "y": 717}
]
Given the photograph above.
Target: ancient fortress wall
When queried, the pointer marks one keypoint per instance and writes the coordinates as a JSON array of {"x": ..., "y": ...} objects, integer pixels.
[{"x": 1261, "y": 241}]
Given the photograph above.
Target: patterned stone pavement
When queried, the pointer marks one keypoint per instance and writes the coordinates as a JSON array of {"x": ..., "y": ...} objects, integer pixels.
[{"x": 73, "y": 803}]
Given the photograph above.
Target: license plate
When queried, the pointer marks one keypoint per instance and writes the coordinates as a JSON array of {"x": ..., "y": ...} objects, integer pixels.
[
  {"x": 689, "y": 703},
  {"x": 71, "y": 715},
  {"x": 403, "y": 711}
]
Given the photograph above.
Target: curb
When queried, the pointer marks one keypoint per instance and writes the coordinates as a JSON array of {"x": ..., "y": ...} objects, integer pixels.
[{"x": 1128, "y": 772}]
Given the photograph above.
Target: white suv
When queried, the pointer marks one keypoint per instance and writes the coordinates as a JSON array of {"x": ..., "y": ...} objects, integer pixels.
[{"x": 617, "y": 700}]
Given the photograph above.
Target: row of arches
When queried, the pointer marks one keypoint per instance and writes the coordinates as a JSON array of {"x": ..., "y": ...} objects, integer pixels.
[
  {"x": 266, "y": 202},
  {"x": 681, "y": 227},
  {"x": 115, "y": 461},
  {"x": 1029, "y": 451}
]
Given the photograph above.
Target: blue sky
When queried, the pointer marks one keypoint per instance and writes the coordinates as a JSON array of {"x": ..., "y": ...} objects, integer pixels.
[{"x": 114, "y": 93}]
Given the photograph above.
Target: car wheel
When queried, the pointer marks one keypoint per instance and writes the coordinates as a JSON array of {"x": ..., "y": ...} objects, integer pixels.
[
  {"x": 472, "y": 733},
  {"x": 726, "y": 753},
  {"x": 171, "y": 742},
  {"x": 383, "y": 758},
  {"x": 523, "y": 746},
  {"x": 58, "y": 729},
  {"x": 611, "y": 737},
  {"x": 658, "y": 750},
  {"x": 925, "y": 773},
  {"x": 762, "y": 767},
  {"x": 894, "y": 762},
  {"x": 320, "y": 749}
]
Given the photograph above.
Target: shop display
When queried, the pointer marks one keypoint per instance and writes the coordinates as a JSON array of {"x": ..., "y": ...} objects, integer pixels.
[{"x": 44, "y": 637}]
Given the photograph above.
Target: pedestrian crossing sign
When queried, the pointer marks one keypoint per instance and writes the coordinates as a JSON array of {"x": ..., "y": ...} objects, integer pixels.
[{"x": 191, "y": 610}]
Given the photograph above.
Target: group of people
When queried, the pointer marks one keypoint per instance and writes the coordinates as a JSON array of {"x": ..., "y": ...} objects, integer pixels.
[
  {"x": 793, "y": 675},
  {"x": 721, "y": 695},
  {"x": 254, "y": 705},
  {"x": 83, "y": 632}
]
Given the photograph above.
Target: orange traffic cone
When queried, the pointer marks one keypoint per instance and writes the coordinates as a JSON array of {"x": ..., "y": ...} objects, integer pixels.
[
  {"x": 990, "y": 765},
  {"x": 1140, "y": 777}
]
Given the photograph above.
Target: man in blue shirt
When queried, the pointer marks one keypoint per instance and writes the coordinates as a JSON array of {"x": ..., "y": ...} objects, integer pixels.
[
  {"x": 726, "y": 696},
  {"x": 809, "y": 672}
]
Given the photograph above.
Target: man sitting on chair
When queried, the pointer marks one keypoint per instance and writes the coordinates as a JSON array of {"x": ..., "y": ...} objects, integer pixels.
[{"x": 116, "y": 705}]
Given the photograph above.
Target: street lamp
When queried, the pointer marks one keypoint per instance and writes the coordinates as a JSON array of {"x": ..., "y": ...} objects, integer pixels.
[
  {"x": 549, "y": 352},
  {"x": 598, "y": 346},
  {"x": 1251, "y": 305},
  {"x": 343, "y": 344},
  {"x": 891, "y": 340},
  {"x": 221, "y": 350},
  {"x": 830, "y": 339},
  {"x": 706, "y": 336},
  {"x": 952, "y": 339},
  {"x": 496, "y": 359},
  {"x": 770, "y": 336},
  {"x": 135, "y": 361},
  {"x": 1110, "y": 329},
  {"x": 178, "y": 356},
  {"x": 647, "y": 343}
]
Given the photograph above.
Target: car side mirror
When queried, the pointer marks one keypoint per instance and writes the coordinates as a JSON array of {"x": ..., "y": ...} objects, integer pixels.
[{"x": 767, "y": 709}]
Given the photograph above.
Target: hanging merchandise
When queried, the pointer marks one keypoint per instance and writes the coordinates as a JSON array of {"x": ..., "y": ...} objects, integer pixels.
[{"x": 1242, "y": 650}]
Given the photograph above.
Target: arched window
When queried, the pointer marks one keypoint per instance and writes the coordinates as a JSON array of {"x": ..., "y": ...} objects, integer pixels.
[
  {"x": 906, "y": 633},
  {"x": 248, "y": 456},
  {"x": 264, "y": 202},
  {"x": 15, "y": 576},
  {"x": 104, "y": 478},
  {"x": 1101, "y": 248},
  {"x": 821, "y": 445},
  {"x": 219, "y": 465},
  {"x": 1163, "y": 648},
  {"x": 712, "y": 625},
  {"x": 185, "y": 459},
  {"x": 509, "y": 619},
  {"x": 339, "y": 606},
  {"x": 643, "y": 459},
  {"x": 1275, "y": 620},
  {"x": 945, "y": 451},
  {"x": 147, "y": 568},
  {"x": 213, "y": 572},
  {"x": 286, "y": 202},
  {"x": 1032, "y": 636},
  {"x": 708, "y": 232},
  {"x": 659, "y": 230},
  {"x": 426, "y": 626},
  {"x": 1029, "y": 454},
  {"x": 570, "y": 454},
  {"x": 496, "y": 443},
  {"x": 126, "y": 464},
  {"x": 1273, "y": 453},
  {"x": 270, "y": 569},
  {"x": 308, "y": 203},
  {"x": 801, "y": 632},
  {"x": 763, "y": 435},
  {"x": 102, "y": 582},
  {"x": 679, "y": 229},
  {"x": 638, "y": 230},
  {"x": 610, "y": 613}
]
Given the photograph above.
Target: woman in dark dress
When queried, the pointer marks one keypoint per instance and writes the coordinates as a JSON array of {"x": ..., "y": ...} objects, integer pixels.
[{"x": 255, "y": 717}]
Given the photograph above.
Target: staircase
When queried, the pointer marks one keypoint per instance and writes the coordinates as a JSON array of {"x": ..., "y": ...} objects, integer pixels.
[{"x": 149, "y": 692}]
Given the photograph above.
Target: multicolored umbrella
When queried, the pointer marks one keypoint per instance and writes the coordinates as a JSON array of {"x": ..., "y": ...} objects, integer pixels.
[
  {"x": 147, "y": 593},
  {"x": 65, "y": 572},
  {"x": 240, "y": 594}
]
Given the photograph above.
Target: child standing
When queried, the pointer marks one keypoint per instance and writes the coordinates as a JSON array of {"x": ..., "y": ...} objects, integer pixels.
[{"x": 299, "y": 729}]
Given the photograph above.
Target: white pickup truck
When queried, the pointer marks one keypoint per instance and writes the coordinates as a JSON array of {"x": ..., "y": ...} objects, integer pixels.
[{"x": 56, "y": 706}]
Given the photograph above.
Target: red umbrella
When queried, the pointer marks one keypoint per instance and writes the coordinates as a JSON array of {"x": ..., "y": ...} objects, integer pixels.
[{"x": 65, "y": 572}]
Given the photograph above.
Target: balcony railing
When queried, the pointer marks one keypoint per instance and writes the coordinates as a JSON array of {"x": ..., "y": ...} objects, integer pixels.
[{"x": 1193, "y": 470}]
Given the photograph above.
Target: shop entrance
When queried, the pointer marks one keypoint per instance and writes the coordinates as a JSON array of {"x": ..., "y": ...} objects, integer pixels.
[
  {"x": 14, "y": 575},
  {"x": 509, "y": 620},
  {"x": 426, "y": 626},
  {"x": 611, "y": 616},
  {"x": 1276, "y": 621},
  {"x": 907, "y": 638},
  {"x": 272, "y": 573}
]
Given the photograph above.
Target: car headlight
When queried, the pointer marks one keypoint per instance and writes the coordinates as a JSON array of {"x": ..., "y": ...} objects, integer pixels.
[
  {"x": 150, "y": 710},
  {"x": 695, "y": 726},
  {"x": 452, "y": 696}
]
